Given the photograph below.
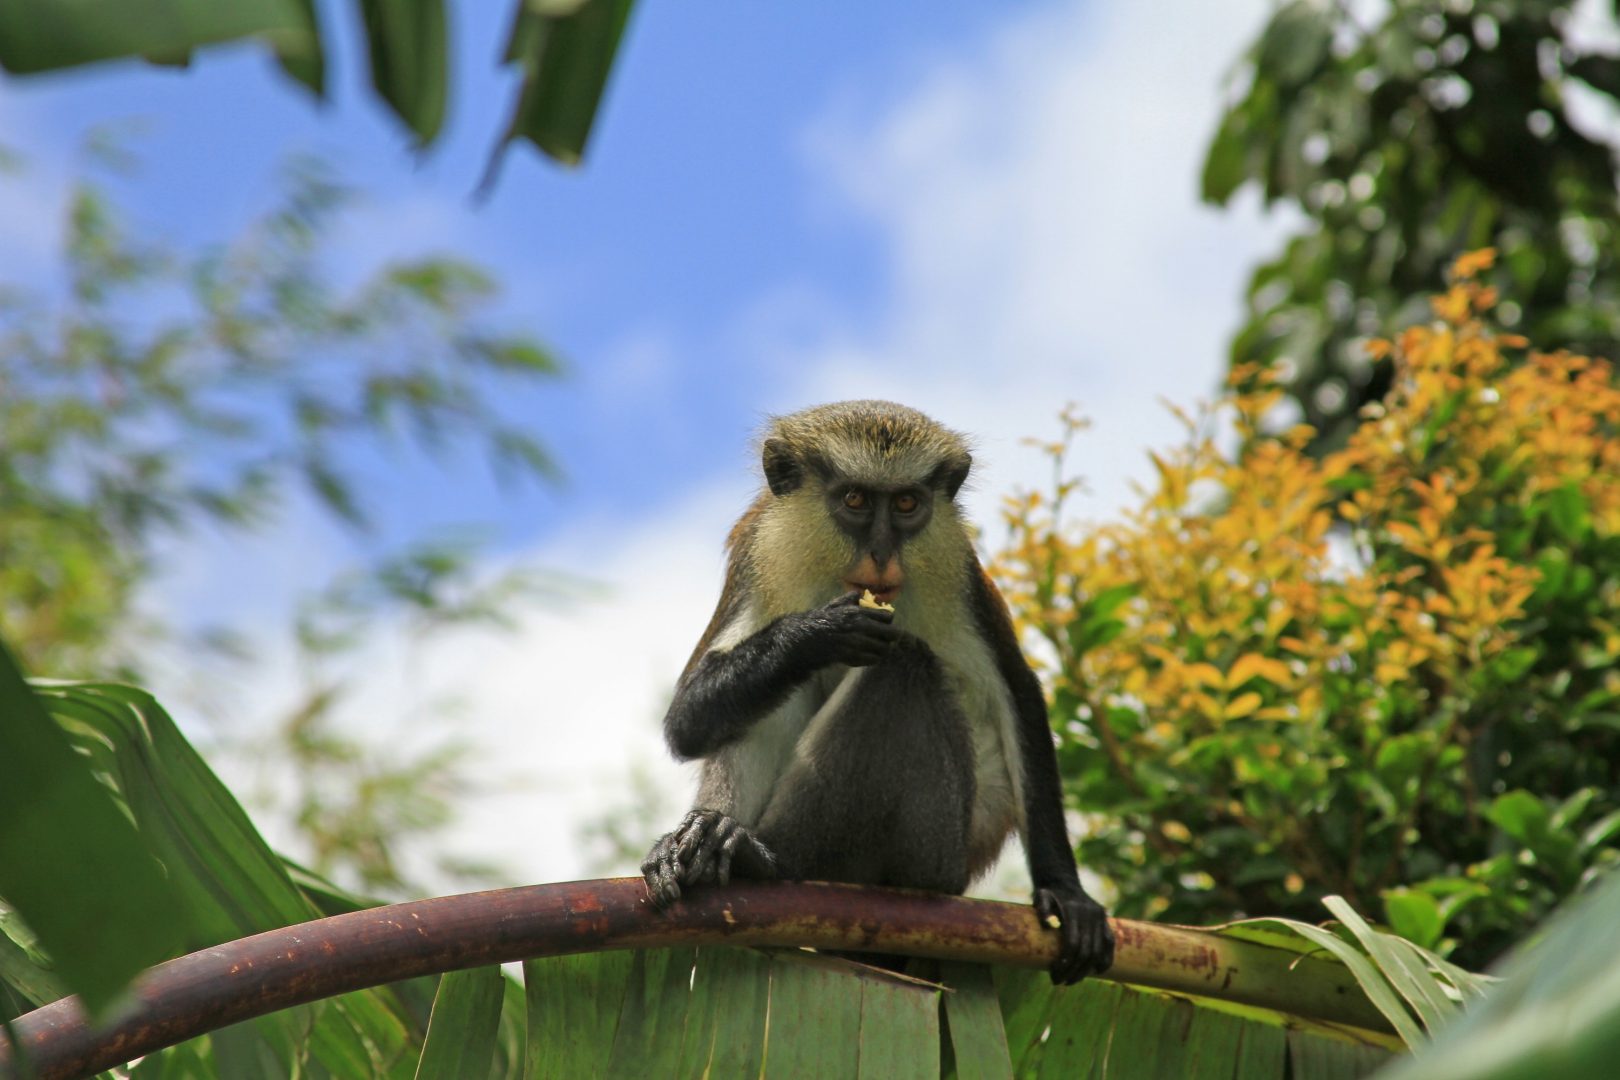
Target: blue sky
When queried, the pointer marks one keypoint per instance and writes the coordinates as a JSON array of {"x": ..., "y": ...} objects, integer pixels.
[
  {"x": 982, "y": 209},
  {"x": 695, "y": 194}
]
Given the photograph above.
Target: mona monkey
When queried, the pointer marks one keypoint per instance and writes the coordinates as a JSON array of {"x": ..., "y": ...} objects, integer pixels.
[{"x": 898, "y": 744}]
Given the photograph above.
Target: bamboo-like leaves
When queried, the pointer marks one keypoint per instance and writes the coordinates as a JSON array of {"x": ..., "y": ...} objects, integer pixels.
[
  {"x": 410, "y": 60},
  {"x": 684, "y": 1011},
  {"x": 742, "y": 1012},
  {"x": 1555, "y": 1013},
  {"x": 461, "y": 1033},
  {"x": 63, "y": 844},
  {"x": 564, "y": 50},
  {"x": 222, "y": 882},
  {"x": 42, "y": 37}
]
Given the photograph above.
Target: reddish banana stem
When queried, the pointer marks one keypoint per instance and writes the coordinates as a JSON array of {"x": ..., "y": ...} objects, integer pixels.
[{"x": 212, "y": 988}]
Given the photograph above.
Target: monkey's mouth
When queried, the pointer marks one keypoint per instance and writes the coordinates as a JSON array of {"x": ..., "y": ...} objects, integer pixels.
[{"x": 882, "y": 594}]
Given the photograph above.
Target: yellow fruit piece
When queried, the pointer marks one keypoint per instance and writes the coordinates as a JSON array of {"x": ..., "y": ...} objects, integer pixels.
[{"x": 870, "y": 601}]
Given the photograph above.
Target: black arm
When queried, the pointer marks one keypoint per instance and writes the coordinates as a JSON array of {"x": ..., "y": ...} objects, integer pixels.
[
  {"x": 723, "y": 694},
  {"x": 1088, "y": 942}
]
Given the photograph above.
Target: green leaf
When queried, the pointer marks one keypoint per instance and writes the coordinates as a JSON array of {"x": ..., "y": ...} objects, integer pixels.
[
  {"x": 1599, "y": 72},
  {"x": 72, "y": 864},
  {"x": 1295, "y": 43},
  {"x": 43, "y": 37},
  {"x": 23, "y": 967},
  {"x": 1082, "y": 1030},
  {"x": 647, "y": 1040},
  {"x": 815, "y": 1020},
  {"x": 1409, "y": 977},
  {"x": 461, "y": 1031},
  {"x": 1568, "y": 511},
  {"x": 574, "y": 1004},
  {"x": 725, "y": 1031},
  {"x": 973, "y": 1013},
  {"x": 1514, "y": 663},
  {"x": 226, "y": 882},
  {"x": 410, "y": 60},
  {"x": 1375, "y": 985},
  {"x": 1225, "y": 164},
  {"x": 1556, "y": 1011},
  {"x": 1521, "y": 815},
  {"x": 1601, "y": 831},
  {"x": 302, "y": 58},
  {"x": 1321, "y": 1058},
  {"x": 1027, "y": 1002},
  {"x": 565, "y": 54},
  {"x": 1415, "y": 916},
  {"x": 899, "y": 1028}
]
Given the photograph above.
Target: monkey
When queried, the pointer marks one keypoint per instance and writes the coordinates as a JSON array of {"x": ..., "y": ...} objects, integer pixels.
[{"x": 898, "y": 742}]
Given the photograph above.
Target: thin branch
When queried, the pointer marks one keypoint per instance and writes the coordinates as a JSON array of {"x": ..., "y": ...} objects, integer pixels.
[{"x": 236, "y": 981}]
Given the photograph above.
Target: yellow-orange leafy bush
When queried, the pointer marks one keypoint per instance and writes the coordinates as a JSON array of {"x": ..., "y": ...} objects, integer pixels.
[{"x": 1389, "y": 673}]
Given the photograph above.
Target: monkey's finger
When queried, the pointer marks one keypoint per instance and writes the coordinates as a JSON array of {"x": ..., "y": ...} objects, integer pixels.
[
  {"x": 1105, "y": 946},
  {"x": 881, "y": 616},
  {"x": 1077, "y": 949},
  {"x": 702, "y": 860},
  {"x": 1070, "y": 964},
  {"x": 659, "y": 855},
  {"x": 727, "y": 851},
  {"x": 696, "y": 828},
  {"x": 662, "y": 887}
]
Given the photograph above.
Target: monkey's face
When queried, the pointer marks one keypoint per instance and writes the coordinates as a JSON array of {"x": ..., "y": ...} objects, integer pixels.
[
  {"x": 841, "y": 534},
  {"x": 878, "y": 523},
  {"x": 861, "y": 498}
]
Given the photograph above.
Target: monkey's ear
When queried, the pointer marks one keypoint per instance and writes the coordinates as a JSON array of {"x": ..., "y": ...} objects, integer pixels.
[
  {"x": 951, "y": 475},
  {"x": 783, "y": 472}
]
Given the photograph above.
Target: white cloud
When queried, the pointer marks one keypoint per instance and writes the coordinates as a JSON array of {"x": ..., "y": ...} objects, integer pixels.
[
  {"x": 573, "y": 701},
  {"x": 1041, "y": 200}
]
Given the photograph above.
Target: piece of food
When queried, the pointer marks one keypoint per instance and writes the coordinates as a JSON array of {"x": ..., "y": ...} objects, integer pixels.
[
  {"x": 1054, "y": 922},
  {"x": 870, "y": 601}
]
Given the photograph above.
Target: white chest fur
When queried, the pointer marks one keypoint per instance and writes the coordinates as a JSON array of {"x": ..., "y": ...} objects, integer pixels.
[{"x": 740, "y": 779}]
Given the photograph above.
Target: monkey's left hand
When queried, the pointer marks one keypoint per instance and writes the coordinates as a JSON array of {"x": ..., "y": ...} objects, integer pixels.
[
  {"x": 1087, "y": 946},
  {"x": 699, "y": 851}
]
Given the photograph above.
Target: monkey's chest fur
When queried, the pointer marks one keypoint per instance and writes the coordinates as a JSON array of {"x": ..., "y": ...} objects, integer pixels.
[{"x": 903, "y": 773}]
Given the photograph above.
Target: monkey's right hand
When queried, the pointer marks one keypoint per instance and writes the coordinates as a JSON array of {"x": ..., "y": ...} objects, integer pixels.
[
  {"x": 844, "y": 632},
  {"x": 701, "y": 850}
]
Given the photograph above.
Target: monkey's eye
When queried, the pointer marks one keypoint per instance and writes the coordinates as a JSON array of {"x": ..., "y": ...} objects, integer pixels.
[
  {"x": 905, "y": 503},
  {"x": 855, "y": 500}
]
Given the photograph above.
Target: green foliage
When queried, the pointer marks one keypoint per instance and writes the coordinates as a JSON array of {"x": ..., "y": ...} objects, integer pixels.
[
  {"x": 1407, "y": 136},
  {"x": 1390, "y": 673},
  {"x": 227, "y": 884},
  {"x": 356, "y": 801},
  {"x": 564, "y": 51},
  {"x": 680, "y": 1012},
  {"x": 683, "y": 1011},
  {"x": 248, "y": 377},
  {"x": 62, "y": 835},
  {"x": 1555, "y": 1014},
  {"x": 165, "y": 392}
]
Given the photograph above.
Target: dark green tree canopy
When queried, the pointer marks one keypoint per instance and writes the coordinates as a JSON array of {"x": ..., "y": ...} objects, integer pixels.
[{"x": 1441, "y": 127}]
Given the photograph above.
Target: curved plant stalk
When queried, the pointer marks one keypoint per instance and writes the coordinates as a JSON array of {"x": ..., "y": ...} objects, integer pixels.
[{"x": 215, "y": 987}]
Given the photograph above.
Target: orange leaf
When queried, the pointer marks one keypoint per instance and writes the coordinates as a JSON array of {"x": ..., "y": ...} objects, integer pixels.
[
  {"x": 1470, "y": 264},
  {"x": 1250, "y": 665},
  {"x": 1242, "y": 706}
]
